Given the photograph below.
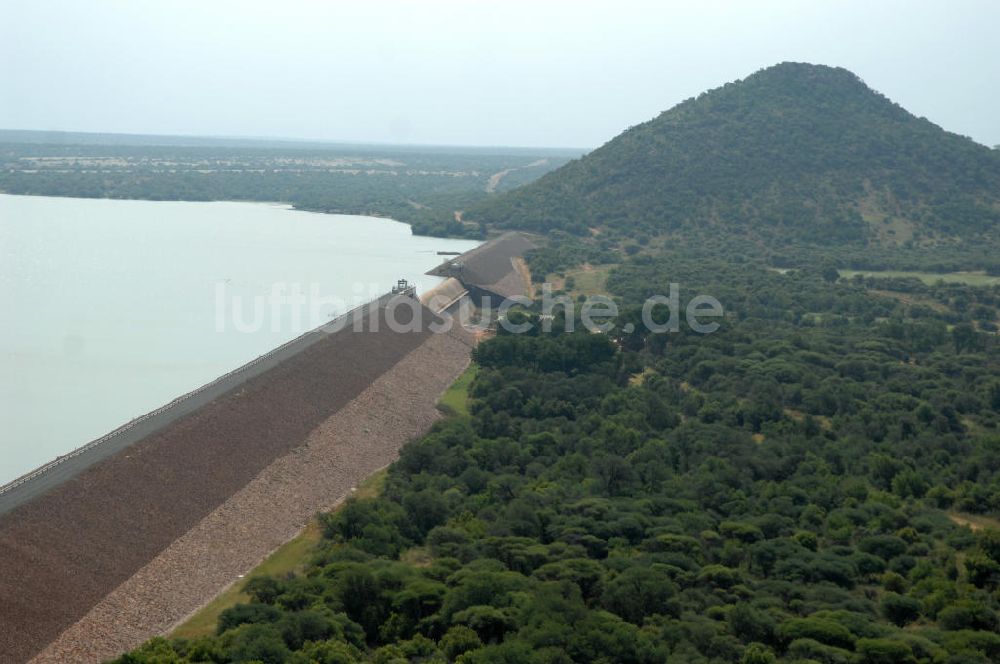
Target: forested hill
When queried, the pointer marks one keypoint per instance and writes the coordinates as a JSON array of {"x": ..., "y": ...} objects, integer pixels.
[{"x": 795, "y": 152}]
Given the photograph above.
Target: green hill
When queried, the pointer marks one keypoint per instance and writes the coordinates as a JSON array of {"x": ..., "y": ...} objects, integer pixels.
[{"x": 793, "y": 153}]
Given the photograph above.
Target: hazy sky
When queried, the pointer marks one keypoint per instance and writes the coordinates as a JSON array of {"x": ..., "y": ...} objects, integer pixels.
[{"x": 497, "y": 72}]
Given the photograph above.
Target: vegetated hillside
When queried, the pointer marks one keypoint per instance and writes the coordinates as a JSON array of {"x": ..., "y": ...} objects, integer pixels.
[{"x": 793, "y": 153}]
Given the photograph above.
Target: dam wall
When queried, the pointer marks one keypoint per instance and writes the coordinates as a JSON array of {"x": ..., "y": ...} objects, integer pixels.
[
  {"x": 491, "y": 269},
  {"x": 119, "y": 541},
  {"x": 64, "y": 467}
]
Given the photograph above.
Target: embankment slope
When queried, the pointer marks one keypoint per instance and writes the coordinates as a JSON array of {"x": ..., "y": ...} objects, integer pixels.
[{"x": 64, "y": 554}]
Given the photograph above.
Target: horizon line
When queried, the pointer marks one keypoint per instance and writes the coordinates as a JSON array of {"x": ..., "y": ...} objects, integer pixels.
[{"x": 293, "y": 140}]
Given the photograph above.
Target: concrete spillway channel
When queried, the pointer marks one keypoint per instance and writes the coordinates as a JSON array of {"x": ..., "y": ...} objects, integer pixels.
[{"x": 124, "y": 538}]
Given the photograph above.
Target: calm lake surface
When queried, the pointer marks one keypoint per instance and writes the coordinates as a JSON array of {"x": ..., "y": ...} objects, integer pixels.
[{"x": 112, "y": 308}]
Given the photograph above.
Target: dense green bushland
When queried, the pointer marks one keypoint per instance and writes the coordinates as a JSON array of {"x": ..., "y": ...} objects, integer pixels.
[{"x": 779, "y": 490}]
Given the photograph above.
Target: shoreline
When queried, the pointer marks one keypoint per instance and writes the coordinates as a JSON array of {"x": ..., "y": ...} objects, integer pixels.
[{"x": 250, "y": 201}]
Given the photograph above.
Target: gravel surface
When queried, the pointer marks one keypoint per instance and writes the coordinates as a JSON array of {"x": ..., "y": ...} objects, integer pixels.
[{"x": 65, "y": 551}]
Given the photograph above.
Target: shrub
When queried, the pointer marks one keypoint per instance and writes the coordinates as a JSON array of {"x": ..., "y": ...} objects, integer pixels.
[
  {"x": 900, "y": 609},
  {"x": 260, "y": 643},
  {"x": 885, "y": 651},
  {"x": 967, "y": 614},
  {"x": 458, "y": 640},
  {"x": 247, "y": 614},
  {"x": 812, "y": 650},
  {"x": 883, "y": 546},
  {"x": 818, "y": 629},
  {"x": 757, "y": 653}
]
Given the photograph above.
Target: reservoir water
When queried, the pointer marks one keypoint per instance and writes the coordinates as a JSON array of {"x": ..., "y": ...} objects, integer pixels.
[{"x": 111, "y": 308}]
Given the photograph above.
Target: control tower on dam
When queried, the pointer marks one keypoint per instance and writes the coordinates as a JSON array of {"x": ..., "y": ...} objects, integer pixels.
[{"x": 122, "y": 539}]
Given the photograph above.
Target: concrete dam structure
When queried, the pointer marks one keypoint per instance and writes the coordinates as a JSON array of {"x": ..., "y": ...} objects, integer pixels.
[
  {"x": 491, "y": 270},
  {"x": 125, "y": 539}
]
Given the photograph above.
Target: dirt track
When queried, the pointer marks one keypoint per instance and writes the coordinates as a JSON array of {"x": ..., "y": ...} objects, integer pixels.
[{"x": 66, "y": 551}]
